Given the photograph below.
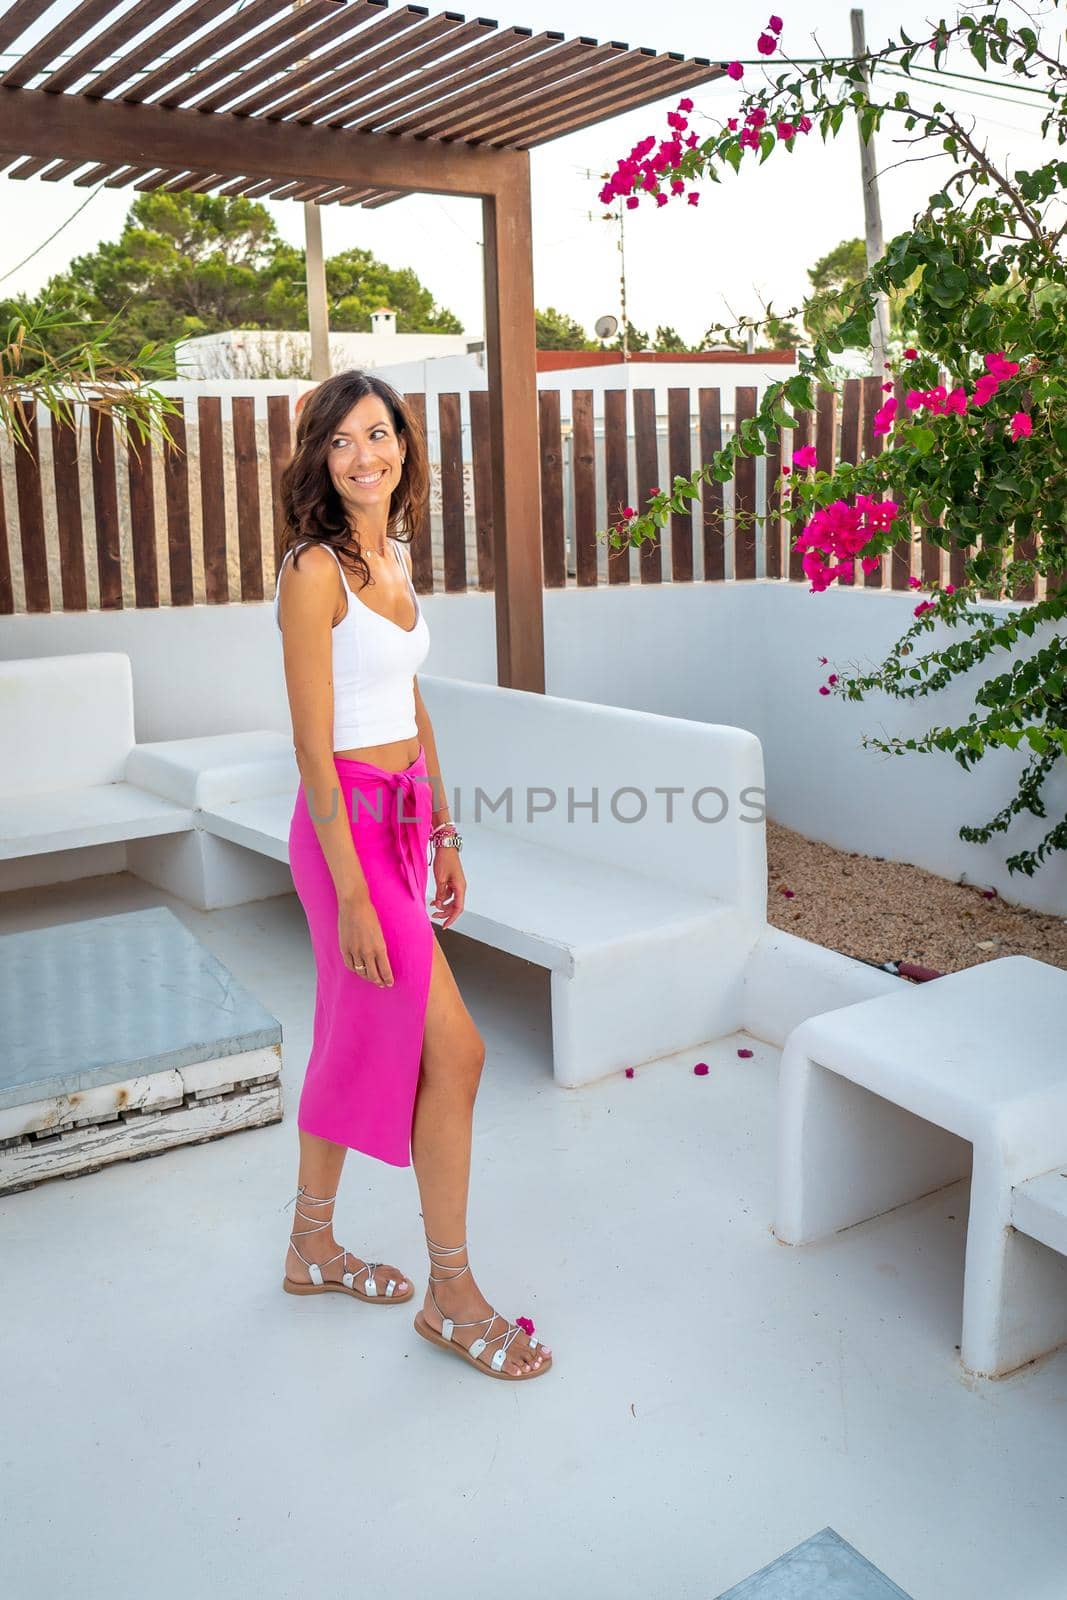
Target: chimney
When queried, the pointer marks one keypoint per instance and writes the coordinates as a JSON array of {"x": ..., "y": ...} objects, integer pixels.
[{"x": 383, "y": 320}]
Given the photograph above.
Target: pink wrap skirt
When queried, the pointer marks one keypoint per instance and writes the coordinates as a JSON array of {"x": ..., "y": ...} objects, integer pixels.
[{"x": 363, "y": 1070}]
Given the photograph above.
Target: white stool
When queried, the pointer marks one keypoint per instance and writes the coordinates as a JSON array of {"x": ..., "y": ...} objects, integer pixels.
[{"x": 981, "y": 1056}]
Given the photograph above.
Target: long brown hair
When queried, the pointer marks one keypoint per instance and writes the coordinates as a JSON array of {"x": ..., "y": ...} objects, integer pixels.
[{"x": 310, "y": 504}]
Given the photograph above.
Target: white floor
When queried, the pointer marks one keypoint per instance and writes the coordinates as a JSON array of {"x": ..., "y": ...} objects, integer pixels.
[{"x": 173, "y": 1425}]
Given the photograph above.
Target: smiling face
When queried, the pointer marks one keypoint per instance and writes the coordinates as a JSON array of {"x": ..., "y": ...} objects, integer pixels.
[{"x": 365, "y": 457}]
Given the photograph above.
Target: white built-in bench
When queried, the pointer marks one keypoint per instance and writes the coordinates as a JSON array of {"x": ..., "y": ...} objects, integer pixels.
[
  {"x": 643, "y": 905},
  {"x": 891, "y": 1098}
]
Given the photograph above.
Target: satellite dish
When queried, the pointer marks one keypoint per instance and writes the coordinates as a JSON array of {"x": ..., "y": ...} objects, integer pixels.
[{"x": 606, "y": 326}]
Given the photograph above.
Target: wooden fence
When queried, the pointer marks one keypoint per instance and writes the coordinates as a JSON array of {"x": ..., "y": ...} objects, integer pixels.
[{"x": 90, "y": 523}]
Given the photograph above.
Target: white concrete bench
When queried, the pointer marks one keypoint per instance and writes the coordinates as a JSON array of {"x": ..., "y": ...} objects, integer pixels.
[
  {"x": 892, "y": 1098},
  {"x": 645, "y": 926},
  {"x": 72, "y": 776}
]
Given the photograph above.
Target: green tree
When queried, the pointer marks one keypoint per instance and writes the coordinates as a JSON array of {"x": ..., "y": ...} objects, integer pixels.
[
  {"x": 187, "y": 264},
  {"x": 557, "y": 331}
]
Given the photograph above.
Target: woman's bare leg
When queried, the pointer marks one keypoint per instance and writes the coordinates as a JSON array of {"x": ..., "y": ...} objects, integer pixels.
[
  {"x": 453, "y": 1054},
  {"x": 320, "y": 1174}
]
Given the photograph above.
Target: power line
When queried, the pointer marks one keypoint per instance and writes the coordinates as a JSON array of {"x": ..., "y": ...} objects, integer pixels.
[{"x": 19, "y": 265}]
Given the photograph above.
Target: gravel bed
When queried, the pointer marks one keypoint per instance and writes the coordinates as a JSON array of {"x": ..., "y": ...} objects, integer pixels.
[{"x": 890, "y": 911}]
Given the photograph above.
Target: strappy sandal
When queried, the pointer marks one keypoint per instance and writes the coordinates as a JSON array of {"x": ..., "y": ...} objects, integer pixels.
[
  {"x": 495, "y": 1367},
  {"x": 348, "y": 1285}
]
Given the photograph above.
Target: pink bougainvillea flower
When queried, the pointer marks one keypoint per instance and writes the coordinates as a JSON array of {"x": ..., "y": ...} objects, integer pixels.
[
  {"x": 653, "y": 491},
  {"x": 735, "y": 70},
  {"x": 924, "y": 605},
  {"x": 745, "y": 1054},
  {"x": 883, "y": 418},
  {"x": 732, "y": 124},
  {"x": 823, "y": 689},
  {"x": 914, "y": 583},
  {"x": 701, "y": 1069},
  {"x": 887, "y": 387},
  {"x": 1021, "y": 426},
  {"x": 999, "y": 367},
  {"x": 785, "y": 130},
  {"x": 775, "y": 24},
  {"x": 749, "y": 139},
  {"x": 685, "y": 105},
  {"x": 766, "y": 44},
  {"x": 694, "y": 196},
  {"x": 628, "y": 511},
  {"x": 756, "y": 117},
  {"x": 677, "y": 121},
  {"x": 986, "y": 388},
  {"x": 786, "y": 470},
  {"x": 823, "y": 660},
  {"x": 832, "y": 678},
  {"x": 690, "y": 140},
  {"x": 910, "y": 354},
  {"x": 526, "y": 1325},
  {"x": 629, "y": 1072},
  {"x": 806, "y": 456},
  {"x": 957, "y": 401},
  {"x": 632, "y": 201},
  {"x": 805, "y": 124},
  {"x": 914, "y": 400},
  {"x": 661, "y": 199},
  {"x": 870, "y": 562},
  {"x": 677, "y": 185}
]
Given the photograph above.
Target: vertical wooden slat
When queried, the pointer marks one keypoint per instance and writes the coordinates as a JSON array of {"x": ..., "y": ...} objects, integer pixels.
[
  {"x": 712, "y": 499},
  {"x": 744, "y": 491},
  {"x": 583, "y": 474},
  {"x": 105, "y": 508},
  {"x": 650, "y": 554},
  {"x": 482, "y": 459},
  {"x": 616, "y": 477},
  {"x": 213, "y": 500},
  {"x": 69, "y": 525},
  {"x": 772, "y": 525},
  {"x": 453, "y": 521},
  {"x": 848, "y": 448},
  {"x": 179, "y": 528},
  {"x": 803, "y": 434},
  {"x": 680, "y": 465},
  {"x": 421, "y": 539},
  {"x": 7, "y": 587},
  {"x": 280, "y": 445},
  {"x": 552, "y": 524},
  {"x": 31, "y": 510},
  {"x": 246, "y": 476},
  {"x": 142, "y": 521}
]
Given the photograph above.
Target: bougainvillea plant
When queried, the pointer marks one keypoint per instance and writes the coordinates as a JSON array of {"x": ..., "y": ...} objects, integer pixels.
[{"x": 978, "y": 463}]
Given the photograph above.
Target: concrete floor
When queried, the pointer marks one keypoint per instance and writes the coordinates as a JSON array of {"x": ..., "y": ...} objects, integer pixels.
[{"x": 175, "y": 1427}]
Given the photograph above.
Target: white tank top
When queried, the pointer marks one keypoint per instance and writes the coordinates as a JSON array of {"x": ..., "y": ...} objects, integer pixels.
[{"x": 374, "y": 663}]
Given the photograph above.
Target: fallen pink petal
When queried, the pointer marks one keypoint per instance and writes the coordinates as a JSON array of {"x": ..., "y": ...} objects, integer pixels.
[
  {"x": 701, "y": 1069},
  {"x": 629, "y": 1072},
  {"x": 745, "y": 1054},
  {"x": 789, "y": 893}
]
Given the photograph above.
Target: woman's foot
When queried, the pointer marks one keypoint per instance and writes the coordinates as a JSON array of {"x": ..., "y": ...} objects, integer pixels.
[
  {"x": 318, "y": 1247},
  {"x": 325, "y": 1247},
  {"x": 460, "y": 1299}
]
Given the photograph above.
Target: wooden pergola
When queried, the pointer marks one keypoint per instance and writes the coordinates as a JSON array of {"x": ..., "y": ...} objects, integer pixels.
[{"x": 342, "y": 102}]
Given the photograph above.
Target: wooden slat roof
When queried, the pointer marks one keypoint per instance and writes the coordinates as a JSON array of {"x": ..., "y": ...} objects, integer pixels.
[{"x": 346, "y": 64}]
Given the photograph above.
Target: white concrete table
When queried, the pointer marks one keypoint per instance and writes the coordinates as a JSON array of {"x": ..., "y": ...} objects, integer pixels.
[
  {"x": 122, "y": 1036},
  {"x": 892, "y": 1098}
]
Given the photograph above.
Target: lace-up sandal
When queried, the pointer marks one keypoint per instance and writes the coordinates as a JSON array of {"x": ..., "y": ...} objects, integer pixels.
[
  {"x": 364, "y": 1289},
  {"x": 495, "y": 1367}
]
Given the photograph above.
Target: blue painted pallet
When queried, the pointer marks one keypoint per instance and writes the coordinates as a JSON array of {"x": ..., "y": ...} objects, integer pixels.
[{"x": 824, "y": 1567}]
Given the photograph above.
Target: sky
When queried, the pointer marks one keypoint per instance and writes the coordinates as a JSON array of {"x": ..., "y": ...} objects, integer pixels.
[{"x": 747, "y": 244}]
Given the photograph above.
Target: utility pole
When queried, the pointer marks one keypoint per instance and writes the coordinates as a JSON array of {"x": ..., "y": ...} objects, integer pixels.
[
  {"x": 872, "y": 211},
  {"x": 315, "y": 275}
]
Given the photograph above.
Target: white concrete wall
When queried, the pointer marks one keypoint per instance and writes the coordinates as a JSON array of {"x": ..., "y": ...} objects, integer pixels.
[{"x": 739, "y": 653}]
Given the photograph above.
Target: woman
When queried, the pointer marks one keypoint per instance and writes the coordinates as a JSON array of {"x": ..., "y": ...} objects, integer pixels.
[{"x": 396, "y": 1058}]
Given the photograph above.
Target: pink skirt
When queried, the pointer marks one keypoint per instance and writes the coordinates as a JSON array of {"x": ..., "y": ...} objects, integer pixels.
[{"x": 363, "y": 1071}]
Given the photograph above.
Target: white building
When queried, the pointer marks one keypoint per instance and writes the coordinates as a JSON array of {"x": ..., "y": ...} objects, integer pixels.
[{"x": 286, "y": 353}]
